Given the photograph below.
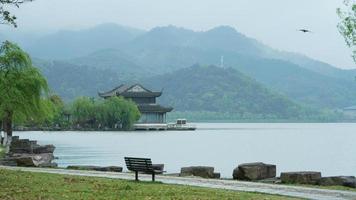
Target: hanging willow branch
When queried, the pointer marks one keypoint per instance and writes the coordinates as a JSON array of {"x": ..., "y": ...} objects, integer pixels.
[
  {"x": 347, "y": 25},
  {"x": 5, "y": 16}
]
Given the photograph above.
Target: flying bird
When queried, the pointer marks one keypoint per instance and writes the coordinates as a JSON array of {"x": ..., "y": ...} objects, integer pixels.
[{"x": 305, "y": 30}]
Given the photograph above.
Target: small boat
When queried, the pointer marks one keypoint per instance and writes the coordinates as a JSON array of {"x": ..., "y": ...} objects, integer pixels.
[{"x": 181, "y": 125}]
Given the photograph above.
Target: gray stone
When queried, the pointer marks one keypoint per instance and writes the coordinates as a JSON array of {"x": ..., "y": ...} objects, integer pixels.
[
  {"x": 254, "y": 171},
  {"x": 33, "y": 160},
  {"x": 44, "y": 149},
  {"x": 217, "y": 175},
  {"x": 21, "y": 146},
  {"x": 307, "y": 177},
  {"x": 201, "y": 171},
  {"x": 96, "y": 168},
  {"x": 158, "y": 167},
  {"x": 28, "y": 153},
  {"x": 81, "y": 167},
  {"x": 8, "y": 162},
  {"x": 348, "y": 181}
]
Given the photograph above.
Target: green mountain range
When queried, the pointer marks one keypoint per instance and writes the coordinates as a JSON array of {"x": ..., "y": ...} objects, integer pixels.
[{"x": 86, "y": 61}]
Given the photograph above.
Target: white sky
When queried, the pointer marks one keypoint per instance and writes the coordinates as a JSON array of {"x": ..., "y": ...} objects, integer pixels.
[{"x": 273, "y": 22}]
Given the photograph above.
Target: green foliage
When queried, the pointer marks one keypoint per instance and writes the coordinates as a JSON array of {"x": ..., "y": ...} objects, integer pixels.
[
  {"x": 347, "y": 26},
  {"x": 83, "y": 110},
  {"x": 104, "y": 113},
  {"x": 5, "y": 15},
  {"x": 210, "y": 89},
  {"x": 22, "y": 86}
]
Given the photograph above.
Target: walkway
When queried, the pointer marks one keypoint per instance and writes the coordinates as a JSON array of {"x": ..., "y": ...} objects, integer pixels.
[{"x": 293, "y": 191}]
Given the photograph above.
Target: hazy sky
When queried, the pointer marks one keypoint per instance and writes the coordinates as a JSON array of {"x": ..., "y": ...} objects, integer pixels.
[{"x": 273, "y": 22}]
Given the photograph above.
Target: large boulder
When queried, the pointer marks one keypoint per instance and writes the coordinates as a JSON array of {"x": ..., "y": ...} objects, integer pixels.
[
  {"x": 96, "y": 168},
  {"x": 34, "y": 160},
  {"x": 254, "y": 171},
  {"x": 28, "y": 153},
  {"x": 44, "y": 149},
  {"x": 158, "y": 167},
  {"x": 201, "y": 171},
  {"x": 307, "y": 177},
  {"x": 348, "y": 181},
  {"x": 29, "y": 147},
  {"x": 21, "y": 146}
]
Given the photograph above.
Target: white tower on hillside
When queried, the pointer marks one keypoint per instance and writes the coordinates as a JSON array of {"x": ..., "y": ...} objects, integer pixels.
[{"x": 222, "y": 62}]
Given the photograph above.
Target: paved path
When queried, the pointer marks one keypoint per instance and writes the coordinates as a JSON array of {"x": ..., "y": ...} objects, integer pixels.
[{"x": 293, "y": 191}]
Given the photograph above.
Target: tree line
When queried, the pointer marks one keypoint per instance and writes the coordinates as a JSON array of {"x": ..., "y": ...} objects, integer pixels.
[{"x": 87, "y": 112}]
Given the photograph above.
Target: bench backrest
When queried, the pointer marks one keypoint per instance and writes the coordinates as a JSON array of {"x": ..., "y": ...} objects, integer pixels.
[{"x": 139, "y": 164}]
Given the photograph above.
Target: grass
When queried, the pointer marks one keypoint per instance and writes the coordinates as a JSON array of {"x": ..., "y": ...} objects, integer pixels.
[{"x": 25, "y": 185}]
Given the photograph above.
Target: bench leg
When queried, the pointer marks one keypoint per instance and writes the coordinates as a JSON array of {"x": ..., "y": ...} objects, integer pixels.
[
  {"x": 153, "y": 177},
  {"x": 136, "y": 175}
]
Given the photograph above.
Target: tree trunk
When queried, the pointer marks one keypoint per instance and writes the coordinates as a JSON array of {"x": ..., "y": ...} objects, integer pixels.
[{"x": 7, "y": 125}]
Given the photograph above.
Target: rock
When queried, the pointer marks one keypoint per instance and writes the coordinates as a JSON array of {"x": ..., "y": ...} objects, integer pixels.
[
  {"x": 96, "y": 168},
  {"x": 21, "y": 146},
  {"x": 217, "y": 175},
  {"x": 159, "y": 167},
  {"x": 201, "y": 171},
  {"x": 348, "y": 181},
  {"x": 81, "y": 167},
  {"x": 28, "y": 153},
  {"x": 8, "y": 162},
  {"x": 33, "y": 160},
  {"x": 44, "y": 149},
  {"x": 300, "y": 177},
  {"x": 254, "y": 171}
]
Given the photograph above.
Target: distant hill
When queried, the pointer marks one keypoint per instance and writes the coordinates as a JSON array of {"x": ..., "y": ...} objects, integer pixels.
[
  {"x": 71, "y": 44},
  {"x": 71, "y": 81},
  {"x": 114, "y": 60},
  {"x": 136, "y": 55},
  {"x": 214, "y": 89}
]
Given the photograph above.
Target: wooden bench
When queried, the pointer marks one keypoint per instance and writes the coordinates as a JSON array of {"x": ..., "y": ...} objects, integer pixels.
[{"x": 141, "y": 165}]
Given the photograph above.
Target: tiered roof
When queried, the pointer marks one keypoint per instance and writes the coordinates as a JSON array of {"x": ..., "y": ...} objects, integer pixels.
[
  {"x": 128, "y": 91},
  {"x": 138, "y": 91}
]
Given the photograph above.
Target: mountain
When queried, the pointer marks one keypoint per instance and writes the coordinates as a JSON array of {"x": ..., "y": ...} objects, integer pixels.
[
  {"x": 214, "y": 89},
  {"x": 162, "y": 50},
  {"x": 71, "y": 81},
  {"x": 71, "y": 44},
  {"x": 312, "y": 64},
  {"x": 114, "y": 60}
]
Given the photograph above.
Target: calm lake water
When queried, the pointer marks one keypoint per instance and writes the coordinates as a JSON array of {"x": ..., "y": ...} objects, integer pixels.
[{"x": 329, "y": 148}]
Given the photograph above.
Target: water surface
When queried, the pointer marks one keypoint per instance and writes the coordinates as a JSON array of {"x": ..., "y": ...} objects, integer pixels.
[{"x": 329, "y": 148}]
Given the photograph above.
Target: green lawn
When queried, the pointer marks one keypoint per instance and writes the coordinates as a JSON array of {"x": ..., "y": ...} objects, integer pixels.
[{"x": 24, "y": 185}]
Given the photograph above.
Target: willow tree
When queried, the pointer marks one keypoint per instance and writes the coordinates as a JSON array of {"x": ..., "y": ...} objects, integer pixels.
[
  {"x": 5, "y": 16},
  {"x": 22, "y": 88},
  {"x": 347, "y": 25}
]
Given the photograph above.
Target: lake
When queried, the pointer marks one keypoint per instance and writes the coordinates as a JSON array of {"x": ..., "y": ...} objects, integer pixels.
[{"x": 329, "y": 148}]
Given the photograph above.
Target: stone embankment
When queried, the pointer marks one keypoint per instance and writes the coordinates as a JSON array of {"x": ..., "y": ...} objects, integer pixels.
[
  {"x": 267, "y": 173},
  {"x": 28, "y": 153}
]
